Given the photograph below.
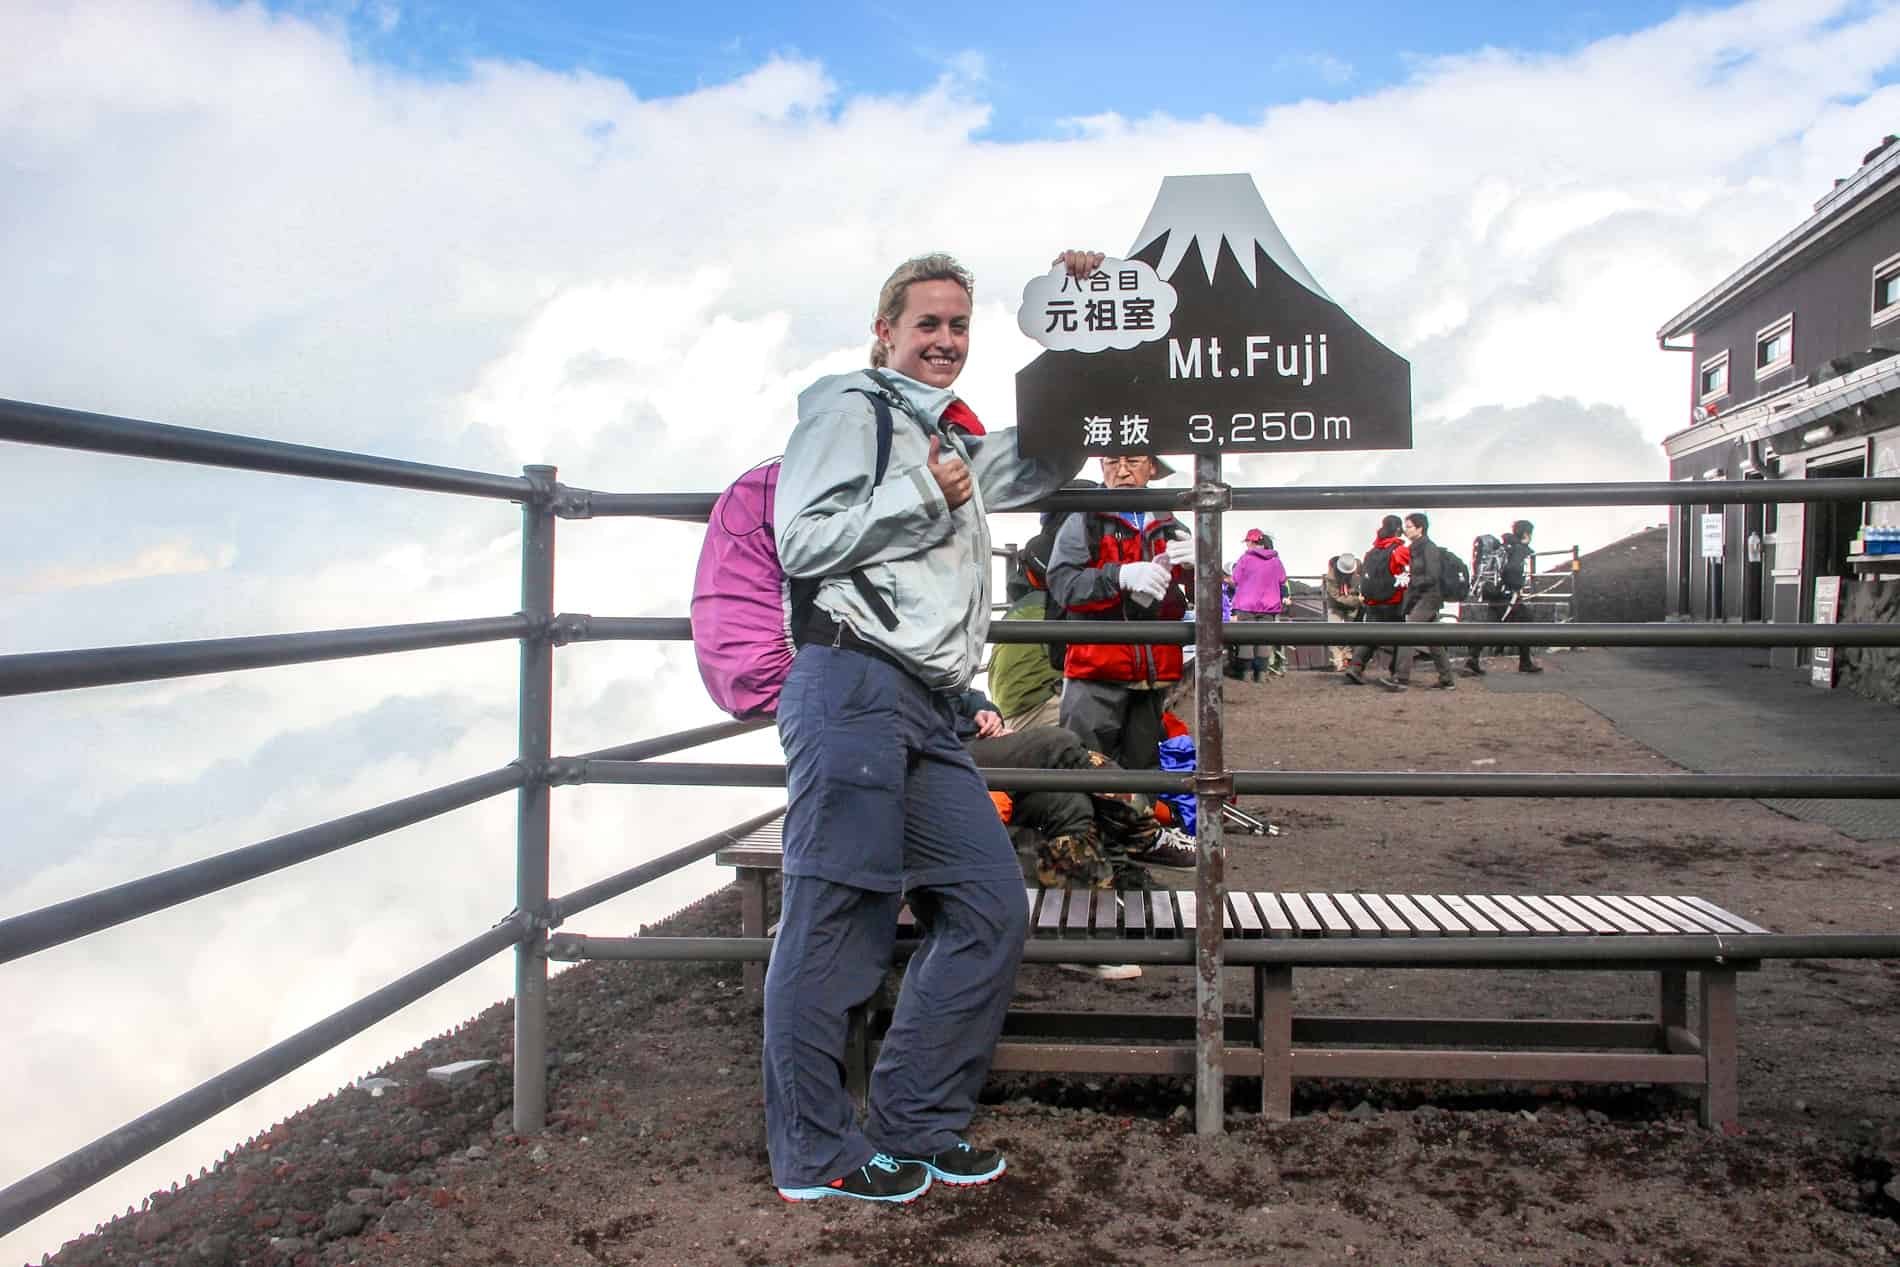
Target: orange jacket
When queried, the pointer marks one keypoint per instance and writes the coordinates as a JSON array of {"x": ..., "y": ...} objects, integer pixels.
[{"x": 1084, "y": 576}]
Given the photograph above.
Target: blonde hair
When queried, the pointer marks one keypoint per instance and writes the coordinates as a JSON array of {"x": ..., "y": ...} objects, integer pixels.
[{"x": 938, "y": 267}]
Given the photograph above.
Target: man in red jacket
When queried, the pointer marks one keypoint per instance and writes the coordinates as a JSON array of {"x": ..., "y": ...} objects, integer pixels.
[
  {"x": 1383, "y": 575},
  {"x": 1121, "y": 565}
]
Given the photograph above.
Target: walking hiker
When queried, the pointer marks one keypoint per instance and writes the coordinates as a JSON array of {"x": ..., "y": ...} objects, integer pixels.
[
  {"x": 884, "y": 802},
  {"x": 1424, "y": 599},
  {"x": 1383, "y": 574},
  {"x": 1260, "y": 593},
  {"x": 1514, "y": 573},
  {"x": 1344, "y": 603}
]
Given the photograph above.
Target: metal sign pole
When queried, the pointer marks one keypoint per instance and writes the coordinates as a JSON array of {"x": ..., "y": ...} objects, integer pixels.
[
  {"x": 536, "y": 722},
  {"x": 1212, "y": 784}
]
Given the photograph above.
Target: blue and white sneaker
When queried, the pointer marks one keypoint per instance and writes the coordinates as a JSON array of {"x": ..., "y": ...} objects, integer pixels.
[
  {"x": 961, "y": 1165},
  {"x": 880, "y": 1179}
]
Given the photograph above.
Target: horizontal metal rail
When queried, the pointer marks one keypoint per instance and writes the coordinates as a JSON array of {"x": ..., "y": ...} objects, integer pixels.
[
  {"x": 578, "y": 503},
  {"x": 129, "y": 437},
  {"x": 79, "y": 1170},
  {"x": 1295, "y": 783},
  {"x": 667, "y": 863},
  {"x": 67, "y": 921},
  {"x": 39, "y": 671},
  {"x": 1312, "y": 633},
  {"x": 640, "y": 750},
  {"x": 1313, "y": 952}
]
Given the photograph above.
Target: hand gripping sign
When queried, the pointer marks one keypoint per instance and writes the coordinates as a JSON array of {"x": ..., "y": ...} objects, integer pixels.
[{"x": 1211, "y": 337}]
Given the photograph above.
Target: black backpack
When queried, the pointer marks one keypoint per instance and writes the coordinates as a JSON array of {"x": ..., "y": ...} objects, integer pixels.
[
  {"x": 1487, "y": 568},
  {"x": 1376, "y": 582},
  {"x": 1454, "y": 578}
]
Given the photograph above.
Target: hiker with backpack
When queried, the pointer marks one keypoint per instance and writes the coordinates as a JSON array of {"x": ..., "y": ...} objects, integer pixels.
[
  {"x": 1384, "y": 571},
  {"x": 1260, "y": 593},
  {"x": 1344, "y": 603},
  {"x": 1503, "y": 593},
  {"x": 1119, "y": 565},
  {"x": 1431, "y": 577},
  {"x": 884, "y": 527}
]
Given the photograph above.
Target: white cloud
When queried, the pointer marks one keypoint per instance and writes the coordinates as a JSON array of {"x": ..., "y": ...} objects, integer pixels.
[{"x": 222, "y": 218}]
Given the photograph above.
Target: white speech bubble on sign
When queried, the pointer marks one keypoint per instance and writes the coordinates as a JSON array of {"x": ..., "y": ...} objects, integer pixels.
[{"x": 1123, "y": 304}]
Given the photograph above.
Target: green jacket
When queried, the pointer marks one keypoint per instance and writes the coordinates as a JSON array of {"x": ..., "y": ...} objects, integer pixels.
[{"x": 1021, "y": 676}]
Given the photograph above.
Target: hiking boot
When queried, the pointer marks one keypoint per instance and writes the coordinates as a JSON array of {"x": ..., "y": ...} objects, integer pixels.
[
  {"x": 1393, "y": 684},
  {"x": 1354, "y": 675},
  {"x": 1447, "y": 684},
  {"x": 1530, "y": 668},
  {"x": 1104, "y": 971},
  {"x": 960, "y": 1164},
  {"x": 1170, "y": 849},
  {"x": 883, "y": 1178},
  {"x": 1474, "y": 668}
]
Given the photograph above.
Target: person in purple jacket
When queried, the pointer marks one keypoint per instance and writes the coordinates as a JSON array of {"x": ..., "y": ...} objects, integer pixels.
[{"x": 1260, "y": 593}]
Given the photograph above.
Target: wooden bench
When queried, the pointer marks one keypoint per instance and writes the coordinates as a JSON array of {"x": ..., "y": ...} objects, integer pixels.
[{"x": 1276, "y": 1045}]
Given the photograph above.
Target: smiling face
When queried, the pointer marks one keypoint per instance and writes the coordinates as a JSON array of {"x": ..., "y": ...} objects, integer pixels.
[{"x": 930, "y": 339}]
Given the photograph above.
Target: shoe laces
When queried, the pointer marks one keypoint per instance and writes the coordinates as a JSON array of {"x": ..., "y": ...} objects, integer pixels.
[{"x": 883, "y": 1161}]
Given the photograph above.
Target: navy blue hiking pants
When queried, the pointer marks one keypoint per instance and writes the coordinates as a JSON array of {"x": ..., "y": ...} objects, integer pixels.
[{"x": 885, "y": 804}]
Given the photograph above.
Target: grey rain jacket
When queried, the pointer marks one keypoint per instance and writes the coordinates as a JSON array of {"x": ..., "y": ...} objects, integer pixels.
[{"x": 930, "y": 563}]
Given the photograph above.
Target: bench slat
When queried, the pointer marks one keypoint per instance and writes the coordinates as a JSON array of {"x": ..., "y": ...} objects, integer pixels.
[
  {"x": 1362, "y": 921},
  {"x": 1680, "y": 922},
  {"x": 1105, "y": 923},
  {"x": 1603, "y": 911},
  {"x": 1508, "y": 924},
  {"x": 1075, "y": 919},
  {"x": 1390, "y": 924},
  {"x": 1303, "y": 918},
  {"x": 1592, "y": 921},
  {"x": 1727, "y": 917},
  {"x": 1245, "y": 914},
  {"x": 1161, "y": 914},
  {"x": 1049, "y": 917},
  {"x": 1408, "y": 910},
  {"x": 1278, "y": 923},
  {"x": 1470, "y": 915},
  {"x": 1453, "y": 926},
  {"x": 1135, "y": 914},
  {"x": 1554, "y": 915},
  {"x": 1336, "y": 925},
  {"x": 1185, "y": 900},
  {"x": 1649, "y": 923}
]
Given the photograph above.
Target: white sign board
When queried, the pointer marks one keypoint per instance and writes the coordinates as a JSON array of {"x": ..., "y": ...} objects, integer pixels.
[
  {"x": 1827, "y": 602},
  {"x": 1712, "y": 535}
]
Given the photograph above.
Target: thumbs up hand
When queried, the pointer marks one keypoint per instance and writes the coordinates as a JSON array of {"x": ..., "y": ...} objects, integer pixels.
[{"x": 952, "y": 476}]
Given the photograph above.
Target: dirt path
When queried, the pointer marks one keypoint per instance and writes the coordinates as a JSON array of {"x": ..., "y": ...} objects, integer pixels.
[{"x": 655, "y": 1152}]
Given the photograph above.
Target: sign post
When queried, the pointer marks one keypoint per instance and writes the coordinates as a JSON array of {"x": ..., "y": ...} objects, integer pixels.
[{"x": 1209, "y": 338}]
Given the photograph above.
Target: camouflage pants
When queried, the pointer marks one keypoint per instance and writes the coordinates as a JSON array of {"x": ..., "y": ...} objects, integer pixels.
[{"x": 1076, "y": 840}]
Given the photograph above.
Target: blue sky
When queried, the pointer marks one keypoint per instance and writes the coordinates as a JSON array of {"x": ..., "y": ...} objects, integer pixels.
[{"x": 1039, "y": 64}]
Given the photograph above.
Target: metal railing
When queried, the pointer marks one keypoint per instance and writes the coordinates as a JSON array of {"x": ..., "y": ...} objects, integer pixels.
[{"x": 535, "y": 771}]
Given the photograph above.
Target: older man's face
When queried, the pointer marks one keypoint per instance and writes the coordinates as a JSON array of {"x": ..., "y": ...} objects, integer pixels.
[{"x": 1127, "y": 472}]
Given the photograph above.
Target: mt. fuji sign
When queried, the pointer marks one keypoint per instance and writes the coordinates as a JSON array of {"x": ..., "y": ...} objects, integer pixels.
[{"x": 1211, "y": 337}]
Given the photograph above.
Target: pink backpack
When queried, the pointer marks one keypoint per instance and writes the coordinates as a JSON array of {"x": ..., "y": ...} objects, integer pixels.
[{"x": 745, "y": 609}]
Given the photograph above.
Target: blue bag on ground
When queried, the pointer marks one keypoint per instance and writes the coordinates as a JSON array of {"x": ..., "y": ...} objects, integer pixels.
[{"x": 1178, "y": 754}]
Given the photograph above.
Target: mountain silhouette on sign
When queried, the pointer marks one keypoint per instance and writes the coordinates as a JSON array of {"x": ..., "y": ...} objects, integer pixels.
[{"x": 1256, "y": 349}]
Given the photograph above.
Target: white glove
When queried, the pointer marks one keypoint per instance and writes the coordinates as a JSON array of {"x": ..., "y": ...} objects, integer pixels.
[
  {"x": 1180, "y": 552},
  {"x": 1146, "y": 580}
]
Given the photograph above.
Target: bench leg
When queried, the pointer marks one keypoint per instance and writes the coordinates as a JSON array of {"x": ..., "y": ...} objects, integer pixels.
[
  {"x": 752, "y": 919},
  {"x": 1716, "y": 1028},
  {"x": 1273, "y": 1032},
  {"x": 1672, "y": 1005}
]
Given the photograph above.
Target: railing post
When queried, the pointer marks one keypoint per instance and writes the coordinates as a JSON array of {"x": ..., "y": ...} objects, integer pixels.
[
  {"x": 1211, "y": 784},
  {"x": 531, "y": 822}
]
